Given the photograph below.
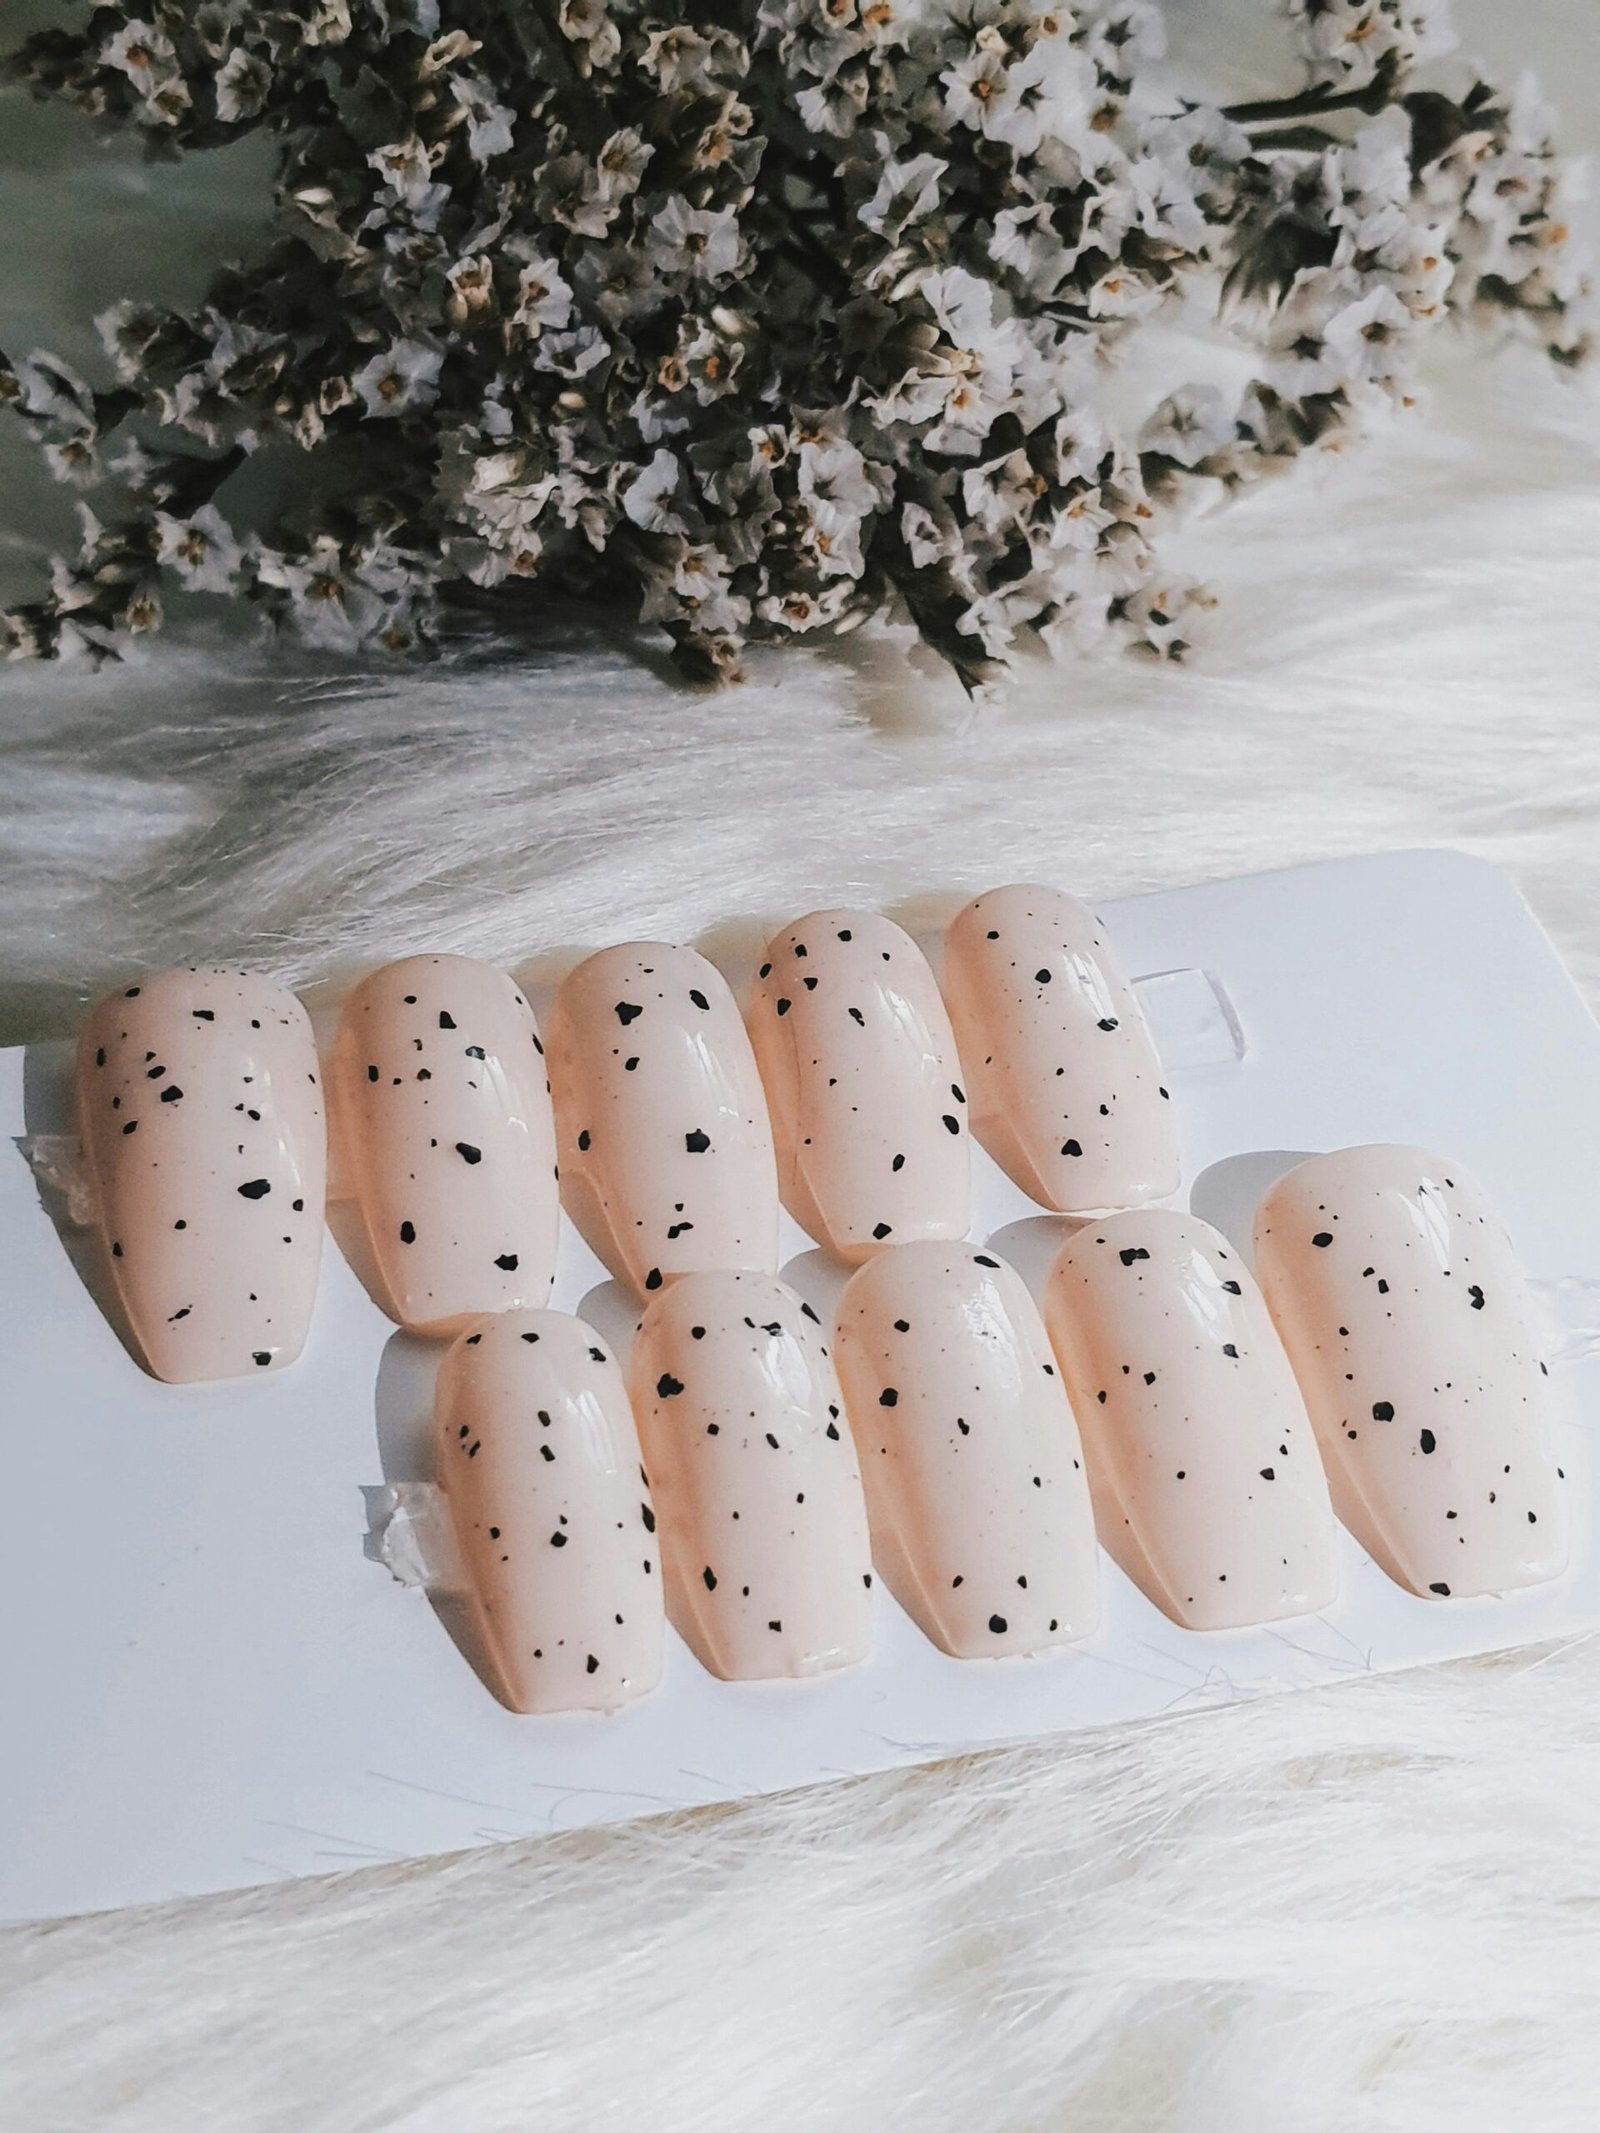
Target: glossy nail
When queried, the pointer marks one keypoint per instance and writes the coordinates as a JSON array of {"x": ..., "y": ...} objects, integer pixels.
[
  {"x": 1207, "y": 1485},
  {"x": 1403, "y": 1309},
  {"x": 666, "y": 1149},
  {"x": 201, "y": 1119},
  {"x": 442, "y": 1111},
  {"x": 981, "y": 1521},
  {"x": 539, "y": 1463},
  {"x": 1066, "y": 1089},
  {"x": 864, "y": 1084},
  {"x": 763, "y": 1526}
]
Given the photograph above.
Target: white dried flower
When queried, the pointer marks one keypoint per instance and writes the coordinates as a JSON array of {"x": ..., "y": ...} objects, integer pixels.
[
  {"x": 700, "y": 242},
  {"x": 404, "y": 377},
  {"x": 200, "y": 549}
]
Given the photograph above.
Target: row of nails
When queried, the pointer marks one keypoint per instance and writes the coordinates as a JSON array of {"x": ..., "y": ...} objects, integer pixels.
[
  {"x": 678, "y": 1127},
  {"x": 744, "y": 1482},
  {"x": 1386, "y": 1277}
]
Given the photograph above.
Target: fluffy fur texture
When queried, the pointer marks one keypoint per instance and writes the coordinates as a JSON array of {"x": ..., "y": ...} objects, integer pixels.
[{"x": 1373, "y": 1906}]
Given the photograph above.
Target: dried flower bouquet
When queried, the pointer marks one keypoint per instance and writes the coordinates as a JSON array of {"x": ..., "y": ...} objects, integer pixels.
[{"x": 770, "y": 320}]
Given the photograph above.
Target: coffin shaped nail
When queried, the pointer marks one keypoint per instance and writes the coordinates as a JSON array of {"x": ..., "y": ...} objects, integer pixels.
[
  {"x": 200, "y": 1112},
  {"x": 1402, "y": 1306},
  {"x": 864, "y": 1083},
  {"x": 539, "y": 1462},
  {"x": 763, "y": 1526},
  {"x": 446, "y": 1140},
  {"x": 981, "y": 1520},
  {"x": 666, "y": 1148},
  {"x": 1066, "y": 1089},
  {"x": 1207, "y": 1485}
]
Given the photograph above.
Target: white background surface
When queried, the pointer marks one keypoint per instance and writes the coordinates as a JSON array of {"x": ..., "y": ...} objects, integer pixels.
[{"x": 218, "y": 1688}]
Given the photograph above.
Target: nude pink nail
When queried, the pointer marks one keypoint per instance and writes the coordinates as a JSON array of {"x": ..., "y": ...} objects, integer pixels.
[
  {"x": 864, "y": 1084},
  {"x": 763, "y": 1526},
  {"x": 1207, "y": 1486},
  {"x": 539, "y": 1463},
  {"x": 1405, "y": 1314},
  {"x": 666, "y": 1148},
  {"x": 981, "y": 1521},
  {"x": 1067, "y": 1092},
  {"x": 202, "y": 1127},
  {"x": 442, "y": 1111}
]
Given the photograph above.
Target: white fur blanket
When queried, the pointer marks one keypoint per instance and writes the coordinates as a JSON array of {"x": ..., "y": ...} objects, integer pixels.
[{"x": 1376, "y": 1906}]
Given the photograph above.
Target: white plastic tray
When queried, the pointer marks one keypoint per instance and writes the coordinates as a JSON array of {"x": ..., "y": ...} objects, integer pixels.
[{"x": 207, "y": 1683}]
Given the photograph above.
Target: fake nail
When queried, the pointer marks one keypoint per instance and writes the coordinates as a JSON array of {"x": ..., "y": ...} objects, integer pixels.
[
  {"x": 443, "y": 1115},
  {"x": 864, "y": 1083},
  {"x": 1204, "y": 1471},
  {"x": 201, "y": 1120},
  {"x": 1066, "y": 1087},
  {"x": 539, "y": 1463},
  {"x": 1403, "y": 1309},
  {"x": 981, "y": 1520},
  {"x": 763, "y": 1526},
  {"x": 666, "y": 1149}
]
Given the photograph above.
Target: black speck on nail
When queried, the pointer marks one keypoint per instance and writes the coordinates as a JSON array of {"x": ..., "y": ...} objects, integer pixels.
[
  {"x": 710, "y": 1577},
  {"x": 468, "y": 1153},
  {"x": 507, "y": 1262},
  {"x": 627, "y": 1012},
  {"x": 652, "y": 1280},
  {"x": 408, "y": 1233},
  {"x": 1131, "y": 1252},
  {"x": 1323, "y": 1239},
  {"x": 997, "y": 1624},
  {"x": 881, "y": 1230},
  {"x": 1427, "y": 1440},
  {"x": 257, "y": 1189},
  {"x": 1383, "y": 1410},
  {"x": 700, "y": 1000},
  {"x": 446, "y": 1021},
  {"x": 888, "y": 1397},
  {"x": 667, "y": 1386},
  {"x": 697, "y": 1142}
]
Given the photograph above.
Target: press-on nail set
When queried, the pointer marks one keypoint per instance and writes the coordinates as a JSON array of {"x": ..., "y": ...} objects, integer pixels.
[
  {"x": 913, "y": 1343},
  {"x": 1160, "y": 1403}
]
